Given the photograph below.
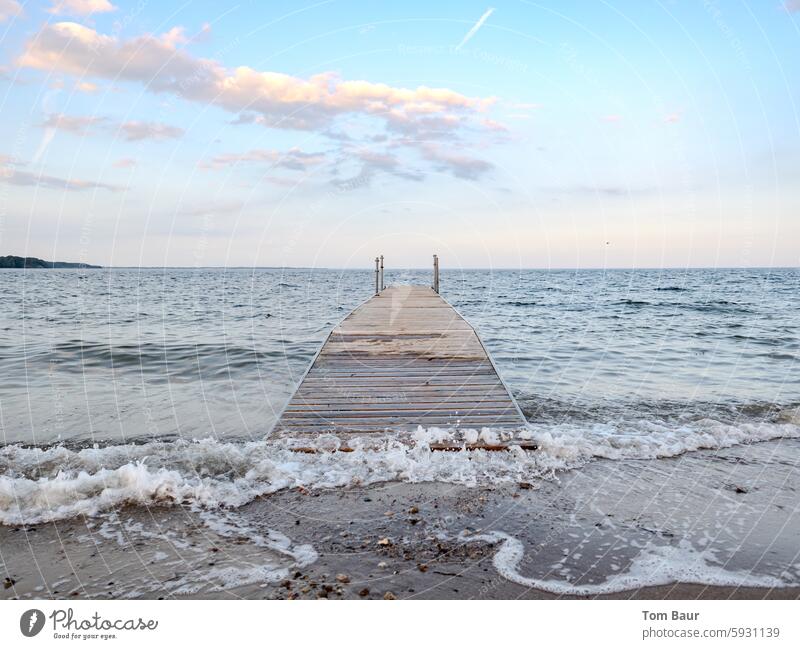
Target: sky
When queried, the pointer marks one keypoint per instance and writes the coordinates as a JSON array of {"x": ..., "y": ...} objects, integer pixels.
[{"x": 513, "y": 135}]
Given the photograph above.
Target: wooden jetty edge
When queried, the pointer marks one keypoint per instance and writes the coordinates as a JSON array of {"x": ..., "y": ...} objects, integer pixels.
[{"x": 404, "y": 358}]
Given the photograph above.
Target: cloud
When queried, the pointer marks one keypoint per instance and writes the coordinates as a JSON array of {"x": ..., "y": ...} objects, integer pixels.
[
  {"x": 133, "y": 131},
  {"x": 230, "y": 207},
  {"x": 81, "y": 7},
  {"x": 460, "y": 166},
  {"x": 492, "y": 125},
  {"x": 294, "y": 158},
  {"x": 521, "y": 110},
  {"x": 203, "y": 35},
  {"x": 11, "y": 175},
  {"x": 611, "y": 191},
  {"x": 86, "y": 86},
  {"x": 672, "y": 118},
  {"x": 136, "y": 131},
  {"x": 10, "y": 9},
  {"x": 792, "y": 5},
  {"x": 376, "y": 161},
  {"x": 72, "y": 124},
  {"x": 611, "y": 118},
  {"x": 424, "y": 128},
  {"x": 125, "y": 163},
  {"x": 175, "y": 36},
  {"x": 278, "y": 100}
]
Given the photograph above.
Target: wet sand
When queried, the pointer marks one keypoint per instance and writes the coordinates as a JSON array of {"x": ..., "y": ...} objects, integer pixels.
[{"x": 728, "y": 516}]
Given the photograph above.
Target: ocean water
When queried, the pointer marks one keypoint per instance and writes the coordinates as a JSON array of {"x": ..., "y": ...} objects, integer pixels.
[
  {"x": 136, "y": 355},
  {"x": 160, "y": 386}
]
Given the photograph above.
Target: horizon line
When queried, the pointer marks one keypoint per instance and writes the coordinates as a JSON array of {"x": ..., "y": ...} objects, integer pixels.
[{"x": 408, "y": 268}]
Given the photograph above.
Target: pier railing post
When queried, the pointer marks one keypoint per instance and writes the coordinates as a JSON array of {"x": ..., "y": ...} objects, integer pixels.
[
  {"x": 436, "y": 273},
  {"x": 377, "y": 276},
  {"x": 383, "y": 284}
]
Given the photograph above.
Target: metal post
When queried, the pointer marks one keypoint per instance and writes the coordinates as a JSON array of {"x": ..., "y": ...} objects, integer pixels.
[
  {"x": 377, "y": 276},
  {"x": 383, "y": 284},
  {"x": 436, "y": 273}
]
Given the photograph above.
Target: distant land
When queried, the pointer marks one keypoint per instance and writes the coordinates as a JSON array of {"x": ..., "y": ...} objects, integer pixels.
[{"x": 12, "y": 261}]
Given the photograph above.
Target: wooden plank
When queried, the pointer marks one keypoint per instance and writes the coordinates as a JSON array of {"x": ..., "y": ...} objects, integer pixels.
[{"x": 404, "y": 358}]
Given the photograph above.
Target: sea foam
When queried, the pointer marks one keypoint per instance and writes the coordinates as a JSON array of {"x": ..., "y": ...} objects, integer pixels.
[
  {"x": 655, "y": 565},
  {"x": 44, "y": 484}
]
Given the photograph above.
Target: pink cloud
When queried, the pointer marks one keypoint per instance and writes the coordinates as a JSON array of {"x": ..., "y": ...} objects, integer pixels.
[
  {"x": 280, "y": 100},
  {"x": 10, "y": 9},
  {"x": 492, "y": 125},
  {"x": 611, "y": 118},
  {"x": 125, "y": 163},
  {"x": 72, "y": 124},
  {"x": 174, "y": 37},
  {"x": 132, "y": 131},
  {"x": 86, "y": 86},
  {"x": 672, "y": 118}
]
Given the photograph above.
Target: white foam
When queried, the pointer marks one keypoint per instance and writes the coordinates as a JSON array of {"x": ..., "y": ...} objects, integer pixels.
[
  {"x": 39, "y": 485},
  {"x": 220, "y": 578},
  {"x": 655, "y": 565},
  {"x": 228, "y": 524}
]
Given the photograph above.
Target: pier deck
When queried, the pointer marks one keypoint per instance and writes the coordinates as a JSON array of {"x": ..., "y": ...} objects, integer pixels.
[{"x": 403, "y": 358}]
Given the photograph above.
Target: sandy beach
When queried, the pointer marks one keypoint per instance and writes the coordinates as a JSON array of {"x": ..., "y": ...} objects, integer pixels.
[{"x": 708, "y": 524}]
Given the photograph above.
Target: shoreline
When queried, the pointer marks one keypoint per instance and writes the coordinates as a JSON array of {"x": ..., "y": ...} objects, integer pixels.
[{"x": 728, "y": 517}]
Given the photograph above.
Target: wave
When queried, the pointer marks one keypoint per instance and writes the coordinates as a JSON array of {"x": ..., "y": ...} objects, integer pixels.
[
  {"x": 174, "y": 360},
  {"x": 45, "y": 484},
  {"x": 718, "y": 306},
  {"x": 655, "y": 565},
  {"x": 543, "y": 409}
]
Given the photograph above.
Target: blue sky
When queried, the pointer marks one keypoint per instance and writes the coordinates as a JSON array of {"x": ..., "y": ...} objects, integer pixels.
[{"x": 517, "y": 134}]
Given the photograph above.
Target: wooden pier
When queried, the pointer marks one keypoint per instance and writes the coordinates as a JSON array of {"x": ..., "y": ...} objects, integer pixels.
[{"x": 402, "y": 359}]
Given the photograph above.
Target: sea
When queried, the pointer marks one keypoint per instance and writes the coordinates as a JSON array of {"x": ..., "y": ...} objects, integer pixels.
[{"x": 149, "y": 387}]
